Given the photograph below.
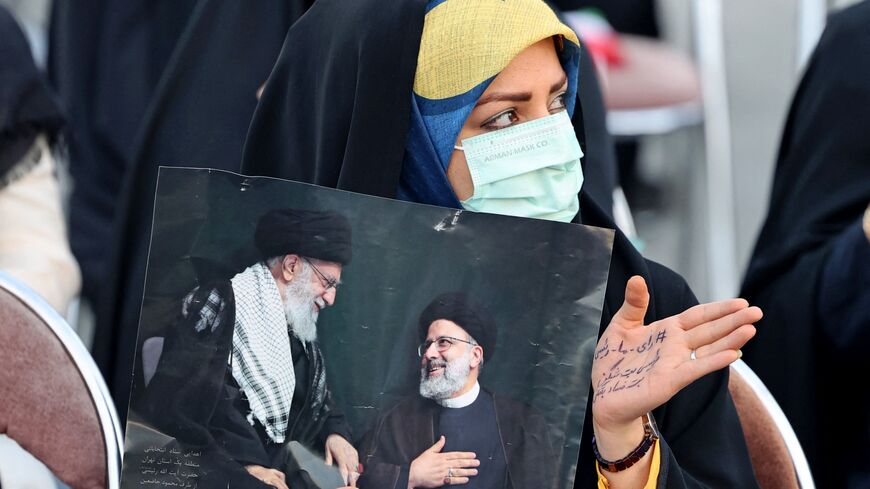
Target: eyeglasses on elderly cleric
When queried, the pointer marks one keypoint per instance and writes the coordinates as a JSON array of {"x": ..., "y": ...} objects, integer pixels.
[
  {"x": 329, "y": 283},
  {"x": 442, "y": 344}
]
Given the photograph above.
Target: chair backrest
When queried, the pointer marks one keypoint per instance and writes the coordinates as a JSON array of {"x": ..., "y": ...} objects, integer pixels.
[
  {"x": 776, "y": 454},
  {"x": 55, "y": 403}
]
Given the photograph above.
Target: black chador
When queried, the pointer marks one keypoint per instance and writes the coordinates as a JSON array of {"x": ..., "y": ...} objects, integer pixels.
[
  {"x": 812, "y": 357},
  {"x": 177, "y": 87}
]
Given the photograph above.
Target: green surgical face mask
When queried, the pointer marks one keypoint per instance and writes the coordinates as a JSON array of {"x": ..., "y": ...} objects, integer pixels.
[{"x": 528, "y": 170}]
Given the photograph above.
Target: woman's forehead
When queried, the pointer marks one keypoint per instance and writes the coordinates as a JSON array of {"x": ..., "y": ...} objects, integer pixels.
[{"x": 535, "y": 67}]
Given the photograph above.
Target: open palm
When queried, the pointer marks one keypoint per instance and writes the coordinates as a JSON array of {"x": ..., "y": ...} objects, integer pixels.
[{"x": 637, "y": 368}]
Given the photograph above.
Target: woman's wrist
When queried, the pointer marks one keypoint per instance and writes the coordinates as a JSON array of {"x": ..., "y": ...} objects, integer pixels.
[{"x": 616, "y": 441}]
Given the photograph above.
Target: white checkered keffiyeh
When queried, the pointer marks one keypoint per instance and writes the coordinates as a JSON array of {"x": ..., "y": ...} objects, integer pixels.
[{"x": 262, "y": 362}]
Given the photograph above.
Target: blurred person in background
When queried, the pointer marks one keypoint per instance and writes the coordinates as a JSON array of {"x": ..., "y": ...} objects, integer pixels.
[
  {"x": 105, "y": 60},
  {"x": 149, "y": 83},
  {"x": 810, "y": 270},
  {"x": 33, "y": 241},
  {"x": 637, "y": 18}
]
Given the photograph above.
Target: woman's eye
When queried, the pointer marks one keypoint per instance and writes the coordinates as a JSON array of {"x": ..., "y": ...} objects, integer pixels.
[
  {"x": 500, "y": 121},
  {"x": 558, "y": 103}
]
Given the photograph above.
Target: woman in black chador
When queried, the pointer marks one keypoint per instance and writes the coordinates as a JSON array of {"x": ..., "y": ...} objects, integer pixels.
[
  {"x": 177, "y": 84},
  {"x": 810, "y": 270},
  {"x": 470, "y": 104}
]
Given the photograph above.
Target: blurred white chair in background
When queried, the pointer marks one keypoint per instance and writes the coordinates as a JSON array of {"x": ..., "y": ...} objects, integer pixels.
[{"x": 55, "y": 403}]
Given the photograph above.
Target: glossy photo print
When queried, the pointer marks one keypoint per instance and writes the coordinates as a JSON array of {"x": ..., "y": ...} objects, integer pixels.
[{"x": 294, "y": 336}]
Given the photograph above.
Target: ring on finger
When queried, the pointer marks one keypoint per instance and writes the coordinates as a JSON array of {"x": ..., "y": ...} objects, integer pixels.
[
  {"x": 449, "y": 472},
  {"x": 693, "y": 355},
  {"x": 447, "y": 480}
]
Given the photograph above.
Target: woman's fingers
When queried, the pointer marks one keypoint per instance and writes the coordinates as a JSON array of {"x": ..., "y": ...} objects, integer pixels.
[
  {"x": 734, "y": 341},
  {"x": 692, "y": 370},
  {"x": 712, "y": 331},
  {"x": 633, "y": 309},
  {"x": 704, "y": 313}
]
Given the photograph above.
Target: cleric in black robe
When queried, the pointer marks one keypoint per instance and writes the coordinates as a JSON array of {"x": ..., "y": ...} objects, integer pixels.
[
  {"x": 453, "y": 413},
  {"x": 337, "y": 111},
  {"x": 149, "y": 83},
  {"x": 243, "y": 414},
  {"x": 811, "y": 264}
]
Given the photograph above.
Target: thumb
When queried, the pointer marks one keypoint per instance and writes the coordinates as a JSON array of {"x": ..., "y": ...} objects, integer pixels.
[
  {"x": 438, "y": 445},
  {"x": 633, "y": 309}
]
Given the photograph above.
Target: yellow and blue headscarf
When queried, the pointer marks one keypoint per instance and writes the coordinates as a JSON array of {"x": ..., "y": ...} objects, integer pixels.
[{"x": 465, "y": 45}]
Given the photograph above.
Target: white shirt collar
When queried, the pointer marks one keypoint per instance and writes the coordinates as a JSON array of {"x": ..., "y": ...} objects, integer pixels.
[{"x": 463, "y": 400}]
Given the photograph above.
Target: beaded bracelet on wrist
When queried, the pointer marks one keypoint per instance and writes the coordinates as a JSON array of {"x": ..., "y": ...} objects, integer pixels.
[{"x": 650, "y": 435}]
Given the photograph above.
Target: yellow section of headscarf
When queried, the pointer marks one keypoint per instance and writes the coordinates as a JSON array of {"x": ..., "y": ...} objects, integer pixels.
[{"x": 468, "y": 41}]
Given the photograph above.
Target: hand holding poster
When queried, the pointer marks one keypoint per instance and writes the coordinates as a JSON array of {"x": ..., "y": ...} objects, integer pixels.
[{"x": 286, "y": 325}]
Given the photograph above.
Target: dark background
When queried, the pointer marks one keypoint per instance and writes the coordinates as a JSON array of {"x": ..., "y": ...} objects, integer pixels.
[{"x": 543, "y": 282}]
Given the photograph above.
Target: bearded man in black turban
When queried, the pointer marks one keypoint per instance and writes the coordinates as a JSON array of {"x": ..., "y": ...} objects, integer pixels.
[
  {"x": 256, "y": 380},
  {"x": 455, "y": 431}
]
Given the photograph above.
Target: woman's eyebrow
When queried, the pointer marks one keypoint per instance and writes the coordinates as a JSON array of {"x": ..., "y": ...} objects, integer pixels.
[
  {"x": 518, "y": 96},
  {"x": 559, "y": 84},
  {"x": 501, "y": 97}
]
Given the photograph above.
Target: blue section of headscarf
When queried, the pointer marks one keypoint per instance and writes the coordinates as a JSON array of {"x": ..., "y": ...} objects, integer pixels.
[
  {"x": 435, "y": 125},
  {"x": 433, "y": 4},
  {"x": 443, "y": 119},
  {"x": 423, "y": 179}
]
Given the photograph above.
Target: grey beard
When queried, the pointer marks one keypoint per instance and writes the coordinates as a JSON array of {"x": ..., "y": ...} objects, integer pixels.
[
  {"x": 299, "y": 306},
  {"x": 451, "y": 381}
]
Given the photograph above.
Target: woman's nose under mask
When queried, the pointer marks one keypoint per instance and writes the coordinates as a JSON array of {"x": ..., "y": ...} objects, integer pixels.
[{"x": 528, "y": 170}]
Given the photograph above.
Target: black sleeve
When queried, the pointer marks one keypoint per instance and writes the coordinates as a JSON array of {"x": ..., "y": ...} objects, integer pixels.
[
  {"x": 702, "y": 441},
  {"x": 378, "y": 473},
  {"x": 233, "y": 433},
  {"x": 335, "y": 422},
  {"x": 844, "y": 292},
  {"x": 183, "y": 398}
]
